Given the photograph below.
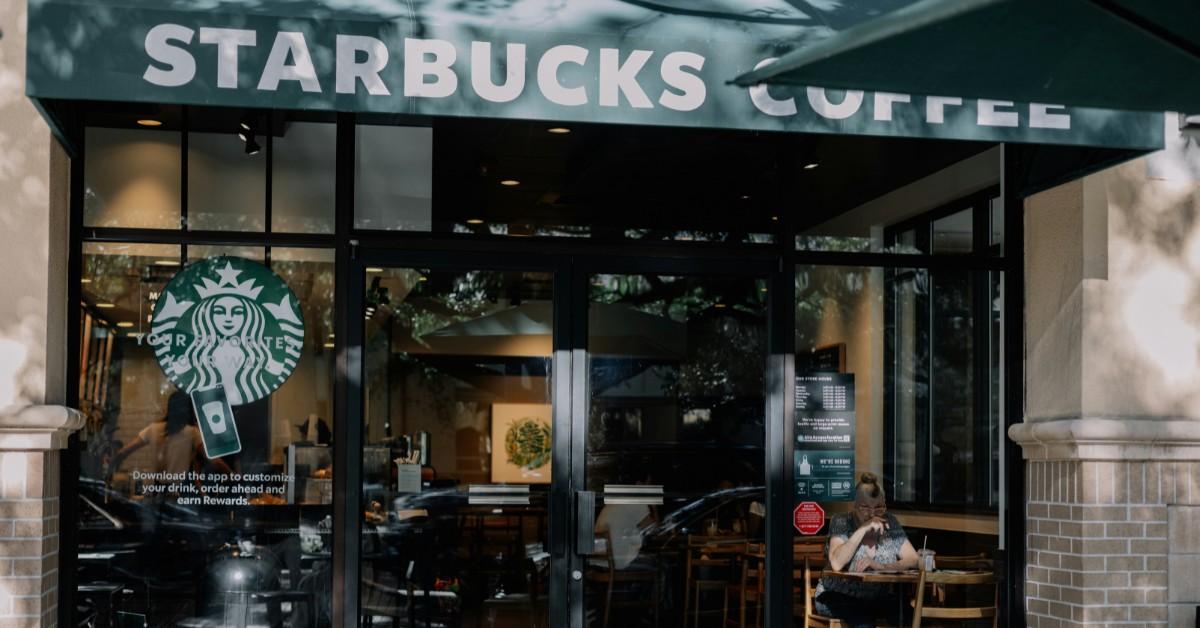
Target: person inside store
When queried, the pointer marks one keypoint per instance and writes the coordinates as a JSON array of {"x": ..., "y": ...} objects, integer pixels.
[
  {"x": 175, "y": 440},
  {"x": 867, "y": 538}
]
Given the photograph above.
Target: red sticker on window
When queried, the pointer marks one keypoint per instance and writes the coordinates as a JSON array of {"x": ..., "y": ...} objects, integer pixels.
[{"x": 808, "y": 518}]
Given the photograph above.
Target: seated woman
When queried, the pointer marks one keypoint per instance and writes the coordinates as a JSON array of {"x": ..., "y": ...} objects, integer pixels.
[{"x": 867, "y": 538}]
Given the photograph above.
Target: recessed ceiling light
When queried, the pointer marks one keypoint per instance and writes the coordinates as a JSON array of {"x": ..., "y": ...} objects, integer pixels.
[
  {"x": 149, "y": 122},
  {"x": 329, "y": 345},
  {"x": 762, "y": 289},
  {"x": 719, "y": 306},
  {"x": 474, "y": 221},
  {"x": 422, "y": 278},
  {"x": 374, "y": 269},
  {"x": 124, "y": 324},
  {"x": 85, "y": 280},
  {"x": 132, "y": 334},
  {"x": 745, "y": 197},
  {"x": 510, "y": 183},
  {"x": 105, "y": 306},
  {"x": 558, "y": 130},
  {"x": 811, "y": 166},
  {"x": 166, "y": 262},
  {"x": 775, "y": 218},
  {"x": 331, "y": 335}
]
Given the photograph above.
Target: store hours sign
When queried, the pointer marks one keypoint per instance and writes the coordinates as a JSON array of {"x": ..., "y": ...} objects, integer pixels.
[
  {"x": 824, "y": 431},
  {"x": 226, "y": 331}
]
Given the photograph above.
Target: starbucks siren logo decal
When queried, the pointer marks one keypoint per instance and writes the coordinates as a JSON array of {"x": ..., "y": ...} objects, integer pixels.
[{"x": 228, "y": 322}]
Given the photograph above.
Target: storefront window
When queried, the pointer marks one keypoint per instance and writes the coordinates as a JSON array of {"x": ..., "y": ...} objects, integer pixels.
[
  {"x": 302, "y": 179},
  {"x": 945, "y": 394},
  {"x": 227, "y": 185},
  {"x": 675, "y": 436},
  {"x": 393, "y": 178},
  {"x": 457, "y": 447},
  {"x": 132, "y": 178},
  {"x": 897, "y": 374},
  {"x": 197, "y": 528}
]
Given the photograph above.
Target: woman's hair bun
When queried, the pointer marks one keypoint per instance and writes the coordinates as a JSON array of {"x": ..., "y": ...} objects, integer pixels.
[{"x": 868, "y": 478}]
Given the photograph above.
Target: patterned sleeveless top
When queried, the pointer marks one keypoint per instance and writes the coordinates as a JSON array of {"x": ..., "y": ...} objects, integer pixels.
[{"x": 887, "y": 551}]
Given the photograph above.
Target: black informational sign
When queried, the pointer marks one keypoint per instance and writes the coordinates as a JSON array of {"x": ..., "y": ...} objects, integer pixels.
[{"x": 824, "y": 453}]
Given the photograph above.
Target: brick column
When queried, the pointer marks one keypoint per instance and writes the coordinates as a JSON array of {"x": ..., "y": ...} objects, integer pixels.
[
  {"x": 1111, "y": 431},
  {"x": 1113, "y": 528},
  {"x": 33, "y": 331},
  {"x": 30, "y": 441}
]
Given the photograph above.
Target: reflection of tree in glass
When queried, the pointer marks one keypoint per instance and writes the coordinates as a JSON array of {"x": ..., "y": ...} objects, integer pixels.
[
  {"x": 822, "y": 292},
  {"x": 527, "y": 443}
]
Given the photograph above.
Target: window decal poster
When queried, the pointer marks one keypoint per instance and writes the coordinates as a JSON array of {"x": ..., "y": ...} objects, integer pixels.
[
  {"x": 228, "y": 332},
  {"x": 824, "y": 452}
]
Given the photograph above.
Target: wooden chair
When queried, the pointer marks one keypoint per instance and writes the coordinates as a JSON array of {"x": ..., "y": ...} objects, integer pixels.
[
  {"x": 710, "y": 562},
  {"x": 609, "y": 577},
  {"x": 971, "y": 561},
  {"x": 749, "y": 587},
  {"x": 812, "y": 574},
  {"x": 923, "y": 608},
  {"x": 976, "y": 562}
]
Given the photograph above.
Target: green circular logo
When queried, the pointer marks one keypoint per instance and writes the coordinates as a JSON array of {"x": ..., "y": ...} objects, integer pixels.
[{"x": 228, "y": 322}]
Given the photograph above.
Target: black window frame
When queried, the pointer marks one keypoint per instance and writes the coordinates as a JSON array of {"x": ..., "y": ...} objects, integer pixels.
[
  {"x": 348, "y": 243},
  {"x": 981, "y": 204}
]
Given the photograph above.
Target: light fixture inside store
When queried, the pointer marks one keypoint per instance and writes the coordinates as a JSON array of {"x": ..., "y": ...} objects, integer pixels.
[
  {"x": 474, "y": 221},
  {"x": 422, "y": 278},
  {"x": 105, "y": 306},
  {"x": 811, "y": 165},
  {"x": 328, "y": 345},
  {"x": 149, "y": 122},
  {"x": 510, "y": 183},
  {"x": 246, "y": 134},
  {"x": 719, "y": 306},
  {"x": 775, "y": 218},
  {"x": 558, "y": 130},
  {"x": 374, "y": 269},
  {"x": 166, "y": 262},
  {"x": 124, "y": 324},
  {"x": 85, "y": 280}
]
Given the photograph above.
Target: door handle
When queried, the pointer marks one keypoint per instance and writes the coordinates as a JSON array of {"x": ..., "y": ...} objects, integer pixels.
[{"x": 585, "y": 523}]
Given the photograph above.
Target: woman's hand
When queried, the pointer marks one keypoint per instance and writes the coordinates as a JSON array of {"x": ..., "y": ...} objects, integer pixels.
[
  {"x": 841, "y": 551},
  {"x": 871, "y": 565},
  {"x": 875, "y": 525}
]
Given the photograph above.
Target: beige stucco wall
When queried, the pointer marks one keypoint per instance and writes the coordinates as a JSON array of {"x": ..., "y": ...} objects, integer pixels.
[
  {"x": 33, "y": 241},
  {"x": 1113, "y": 290}
]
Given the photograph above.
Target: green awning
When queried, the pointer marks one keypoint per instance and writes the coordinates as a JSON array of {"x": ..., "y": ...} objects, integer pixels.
[
  {"x": 652, "y": 62},
  {"x": 1117, "y": 54}
]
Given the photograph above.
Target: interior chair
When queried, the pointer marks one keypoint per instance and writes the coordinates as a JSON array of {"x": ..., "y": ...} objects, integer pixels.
[
  {"x": 927, "y": 607},
  {"x": 749, "y": 588},
  {"x": 813, "y": 565},
  {"x": 709, "y": 568},
  {"x": 970, "y": 561},
  {"x": 975, "y": 562},
  {"x": 615, "y": 583}
]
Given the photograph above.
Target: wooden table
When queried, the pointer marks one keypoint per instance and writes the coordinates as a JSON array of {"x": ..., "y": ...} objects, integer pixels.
[{"x": 907, "y": 576}]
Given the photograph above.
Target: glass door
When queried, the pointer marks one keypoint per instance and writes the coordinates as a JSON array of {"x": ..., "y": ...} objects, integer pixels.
[
  {"x": 674, "y": 461},
  {"x": 457, "y": 447}
]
